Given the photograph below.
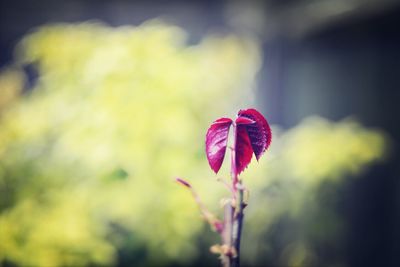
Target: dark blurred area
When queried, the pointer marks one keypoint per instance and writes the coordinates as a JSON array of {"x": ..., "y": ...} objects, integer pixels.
[
  {"x": 330, "y": 58},
  {"x": 349, "y": 67}
]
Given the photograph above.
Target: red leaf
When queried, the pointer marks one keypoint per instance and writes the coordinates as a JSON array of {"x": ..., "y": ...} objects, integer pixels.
[
  {"x": 259, "y": 132},
  {"x": 243, "y": 121},
  {"x": 216, "y": 142},
  {"x": 243, "y": 149}
]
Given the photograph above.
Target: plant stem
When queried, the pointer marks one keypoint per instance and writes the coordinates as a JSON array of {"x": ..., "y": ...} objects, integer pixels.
[
  {"x": 234, "y": 214},
  {"x": 234, "y": 172},
  {"x": 227, "y": 234},
  {"x": 237, "y": 227}
]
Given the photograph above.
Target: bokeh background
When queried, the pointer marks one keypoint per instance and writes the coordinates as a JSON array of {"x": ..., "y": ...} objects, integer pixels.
[{"x": 104, "y": 103}]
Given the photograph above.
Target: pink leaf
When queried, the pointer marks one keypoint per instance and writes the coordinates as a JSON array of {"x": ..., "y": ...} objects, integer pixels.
[
  {"x": 259, "y": 132},
  {"x": 243, "y": 121},
  {"x": 216, "y": 142},
  {"x": 243, "y": 149}
]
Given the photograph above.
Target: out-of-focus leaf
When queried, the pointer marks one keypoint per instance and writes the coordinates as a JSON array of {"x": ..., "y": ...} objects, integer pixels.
[{"x": 216, "y": 141}]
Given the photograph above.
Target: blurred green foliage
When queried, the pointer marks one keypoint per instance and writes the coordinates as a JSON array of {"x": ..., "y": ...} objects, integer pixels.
[{"x": 88, "y": 156}]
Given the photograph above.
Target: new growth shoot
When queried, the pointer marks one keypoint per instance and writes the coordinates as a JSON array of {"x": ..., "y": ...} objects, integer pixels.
[{"x": 251, "y": 135}]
